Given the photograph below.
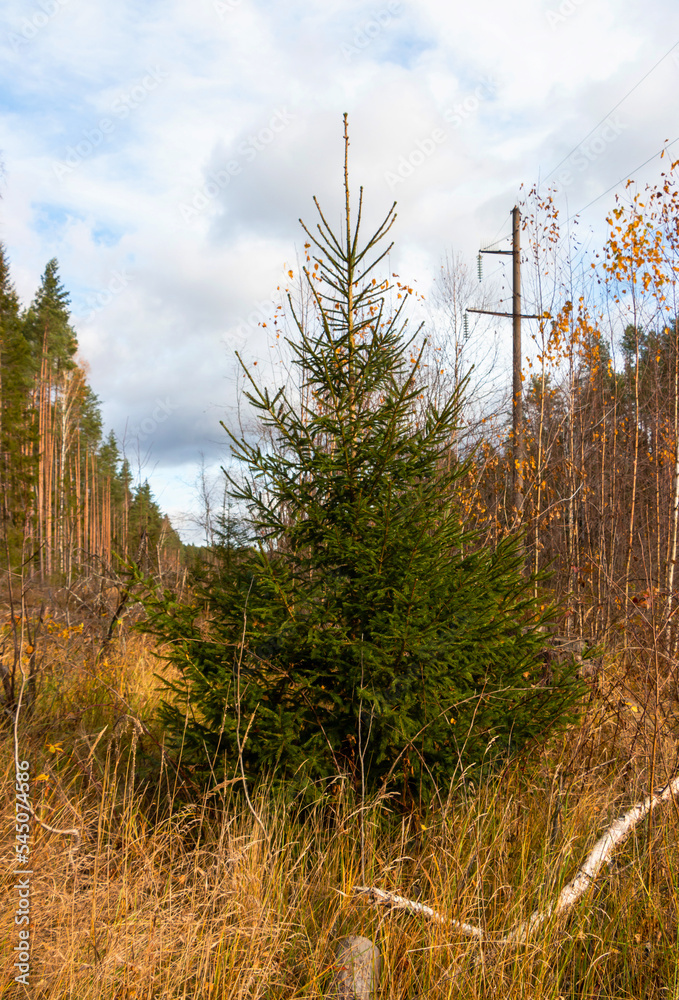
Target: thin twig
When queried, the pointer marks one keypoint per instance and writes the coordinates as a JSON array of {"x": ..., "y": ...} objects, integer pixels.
[
  {"x": 29, "y": 808},
  {"x": 238, "y": 741}
]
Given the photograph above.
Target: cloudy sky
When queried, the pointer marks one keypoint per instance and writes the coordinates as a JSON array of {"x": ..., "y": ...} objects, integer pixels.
[{"x": 164, "y": 152}]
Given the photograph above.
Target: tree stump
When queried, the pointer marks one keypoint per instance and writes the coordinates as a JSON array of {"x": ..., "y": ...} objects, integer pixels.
[{"x": 358, "y": 965}]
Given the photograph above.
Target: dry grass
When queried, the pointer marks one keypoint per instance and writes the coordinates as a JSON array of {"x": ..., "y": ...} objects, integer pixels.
[{"x": 175, "y": 893}]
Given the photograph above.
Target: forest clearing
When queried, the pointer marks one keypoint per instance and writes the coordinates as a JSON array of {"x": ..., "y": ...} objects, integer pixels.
[{"x": 410, "y": 681}]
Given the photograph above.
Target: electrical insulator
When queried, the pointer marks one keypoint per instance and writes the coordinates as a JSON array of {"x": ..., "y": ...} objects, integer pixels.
[
  {"x": 479, "y": 266},
  {"x": 466, "y": 325}
]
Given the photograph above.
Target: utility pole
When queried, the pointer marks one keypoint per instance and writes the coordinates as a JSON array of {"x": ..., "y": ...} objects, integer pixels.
[
  {"x": 518, "y": 449},
  {"x": 517, "y": 388}
]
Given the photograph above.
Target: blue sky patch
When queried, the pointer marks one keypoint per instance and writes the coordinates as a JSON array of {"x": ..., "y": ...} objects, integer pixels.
[{"x": 51, "y": 220}]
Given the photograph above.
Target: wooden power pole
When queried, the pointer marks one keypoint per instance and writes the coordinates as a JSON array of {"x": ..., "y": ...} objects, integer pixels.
[
  {"x": 517, "y": 388},
  {"x": 518, "y": 449}
]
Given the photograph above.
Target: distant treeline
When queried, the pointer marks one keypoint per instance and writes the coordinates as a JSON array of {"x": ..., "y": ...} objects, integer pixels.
[{"x": 67, "y": 494}]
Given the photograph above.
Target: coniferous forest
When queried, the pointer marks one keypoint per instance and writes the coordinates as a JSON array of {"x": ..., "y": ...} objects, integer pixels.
[
  {"x": 72, "y": 514},
  {"x": 421, "y": 663}
]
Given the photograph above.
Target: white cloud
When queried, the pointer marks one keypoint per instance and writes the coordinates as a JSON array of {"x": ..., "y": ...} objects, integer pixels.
[{"x": 514, "y": 87}]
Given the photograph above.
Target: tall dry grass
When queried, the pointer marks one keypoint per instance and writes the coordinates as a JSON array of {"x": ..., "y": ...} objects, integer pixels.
[{"x": 175, "y": 892}]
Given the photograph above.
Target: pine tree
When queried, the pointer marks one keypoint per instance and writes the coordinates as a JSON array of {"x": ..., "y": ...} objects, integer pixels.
[
  {"x": 17, "y": 466},
  {"x": 58, "y": 389},
  {"x": 62, "y": 494},
  {"x": 364, "y": 633},
  {"x": 48, "y": 323}
]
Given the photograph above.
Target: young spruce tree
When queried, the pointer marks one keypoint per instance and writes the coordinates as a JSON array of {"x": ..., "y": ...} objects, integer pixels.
[{"x": 365, "y": 632}]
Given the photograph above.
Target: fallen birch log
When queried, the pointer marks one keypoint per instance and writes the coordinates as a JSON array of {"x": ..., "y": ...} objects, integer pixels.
[
  {"x": 600, "y": 855},
  {"x": 386, "y": 898}
]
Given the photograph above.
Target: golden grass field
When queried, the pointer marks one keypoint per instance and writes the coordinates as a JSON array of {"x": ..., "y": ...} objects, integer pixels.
[{"x": 177, "y": 893}]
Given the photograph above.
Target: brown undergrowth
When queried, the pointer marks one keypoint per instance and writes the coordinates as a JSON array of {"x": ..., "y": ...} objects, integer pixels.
[{"x": 174, "y": 891}]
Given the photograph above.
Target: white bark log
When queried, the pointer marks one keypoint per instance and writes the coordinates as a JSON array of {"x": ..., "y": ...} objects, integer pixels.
[
  {"x": 600, "y": 854},
  {"x": 596, "y": 859},
  {"x": 386, "y": 898}
]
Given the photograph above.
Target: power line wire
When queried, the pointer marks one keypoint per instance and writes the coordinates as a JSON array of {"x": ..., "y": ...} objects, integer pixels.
[
  {"x": 501, "y": 239},
  {"x": 621, "y": 101},
  {"x": 626, "y": 175},
  {"x": 566, "y": 157}
]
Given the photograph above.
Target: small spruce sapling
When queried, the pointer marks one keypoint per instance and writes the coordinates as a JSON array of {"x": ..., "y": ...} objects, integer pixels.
[{"x": 364, "y": 601}]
